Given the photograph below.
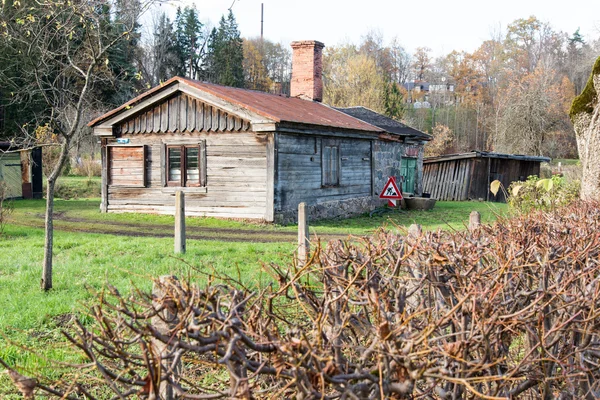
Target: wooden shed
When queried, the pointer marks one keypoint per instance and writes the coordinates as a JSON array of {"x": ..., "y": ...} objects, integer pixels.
[
  {"x": 467, "y": 176},
  {"x": 21, "y": 171},
  {"x": 240, "y": 153}
]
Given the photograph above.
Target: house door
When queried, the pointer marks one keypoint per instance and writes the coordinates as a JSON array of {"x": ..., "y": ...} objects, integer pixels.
[
  {"x": 10, "y": 174},
  {"x": 408, "y": 169}
]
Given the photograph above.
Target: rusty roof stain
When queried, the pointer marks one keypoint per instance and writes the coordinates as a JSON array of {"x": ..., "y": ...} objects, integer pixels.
[{"x": 278, "y": 108}]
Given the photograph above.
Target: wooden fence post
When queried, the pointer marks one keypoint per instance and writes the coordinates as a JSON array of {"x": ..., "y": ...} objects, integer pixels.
[
  {"x": 179, "y": 222},
  {"x": 303, "y": 235},
  {"x": 164, "y": 323},
  {"x": 474, "y": 220},
  {"x": 415, "y": 231}
]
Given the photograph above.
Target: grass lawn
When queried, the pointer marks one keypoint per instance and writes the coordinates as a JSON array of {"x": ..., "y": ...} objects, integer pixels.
[
  {"x": 565, "y": 161},
  {"x": 30, "y": 318},
  {"x": 83, "y": 214},
  {"x": 76, "y": 187}
]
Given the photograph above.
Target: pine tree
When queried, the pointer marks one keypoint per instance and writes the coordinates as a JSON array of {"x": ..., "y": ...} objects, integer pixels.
[
  {"x": 225, "y": 56},
  {"x": 166, "y": 59},
  {"x": 189, "y": 42},
  {"x": 122, "y": 56},
  {"x": 393, "y": 100}
]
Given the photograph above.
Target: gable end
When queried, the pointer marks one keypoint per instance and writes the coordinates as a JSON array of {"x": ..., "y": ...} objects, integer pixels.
[{"x": 182, "y": 113}]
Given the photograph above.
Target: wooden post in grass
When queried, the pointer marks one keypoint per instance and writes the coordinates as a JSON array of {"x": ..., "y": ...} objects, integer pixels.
[
  {"x": 474, "y": 220},
  {"x": 179, "y": 222},
  {"x": 303, "y": 235},
  {"x": 415, "y": 231},
  {"x": 164, "y": 323}
]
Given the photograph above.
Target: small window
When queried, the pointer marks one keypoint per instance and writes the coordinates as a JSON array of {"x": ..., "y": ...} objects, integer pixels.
[
  {"x": 330, "y": 163},
  {"x": 186, "y": 165}
]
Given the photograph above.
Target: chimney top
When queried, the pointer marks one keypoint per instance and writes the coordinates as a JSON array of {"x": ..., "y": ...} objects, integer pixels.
[
  {"x": 307, "y": 70},
  {"x": 307, "y": 43}
]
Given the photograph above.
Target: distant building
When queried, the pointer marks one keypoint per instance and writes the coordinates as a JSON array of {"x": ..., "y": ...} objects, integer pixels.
[
  {"x": 419, "y": 92},
  {"x": 21, "y": 171}
]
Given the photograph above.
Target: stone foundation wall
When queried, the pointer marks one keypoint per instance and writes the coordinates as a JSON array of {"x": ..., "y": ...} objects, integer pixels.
[
  {"x": 388, "y": 156},
  {"x": 331, "y": 209}
]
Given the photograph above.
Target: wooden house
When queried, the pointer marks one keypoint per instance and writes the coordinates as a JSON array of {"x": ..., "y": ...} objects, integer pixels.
[
  {"x": 467, "y": 176},
  {"x": 21, "y": 171},
  {"x": 245, "y": 154}
]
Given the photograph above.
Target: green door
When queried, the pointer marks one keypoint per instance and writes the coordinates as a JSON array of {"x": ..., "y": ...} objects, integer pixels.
[{"x": 408, "y": 169}]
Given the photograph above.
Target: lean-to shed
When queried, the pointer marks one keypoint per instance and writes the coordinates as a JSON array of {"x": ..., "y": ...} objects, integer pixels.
[
  {"x": 21, "y": 171},
  {"x": 467, "y": 176},
  {"x": 245, "y": 154}
]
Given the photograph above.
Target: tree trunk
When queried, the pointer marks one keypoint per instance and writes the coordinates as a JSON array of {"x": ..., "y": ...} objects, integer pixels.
[
  {"x": 46, "y": 282},
  {"x": 587, "y": 130}
]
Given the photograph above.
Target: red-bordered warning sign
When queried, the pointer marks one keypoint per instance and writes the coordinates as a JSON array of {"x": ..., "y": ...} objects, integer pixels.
[{"x": 391, "y": 192}]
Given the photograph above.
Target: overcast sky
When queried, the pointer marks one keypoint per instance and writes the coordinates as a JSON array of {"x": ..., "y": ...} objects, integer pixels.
[{"x": 442, "y": 25}]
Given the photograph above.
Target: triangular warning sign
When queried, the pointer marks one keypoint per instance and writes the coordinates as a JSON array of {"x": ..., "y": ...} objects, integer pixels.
[{"x": 390, "y": 190}]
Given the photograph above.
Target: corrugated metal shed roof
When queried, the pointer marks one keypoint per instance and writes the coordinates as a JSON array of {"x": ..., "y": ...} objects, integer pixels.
[
  {"x": 485, "y": 154},
  {"x": 389, "y": 125},
  {"x": 274, "y": 107}
]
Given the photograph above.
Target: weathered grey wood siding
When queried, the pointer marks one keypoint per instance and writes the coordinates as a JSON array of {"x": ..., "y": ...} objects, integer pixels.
[
  {"x": 182, "y": 113},
  {"x": 448, "y": 180},
  {"x": 236, "y": 178},
  {"x": 236, "y": 162},
  {"x": 470, "y": 178},
  {"x": 299, "y": 171}
]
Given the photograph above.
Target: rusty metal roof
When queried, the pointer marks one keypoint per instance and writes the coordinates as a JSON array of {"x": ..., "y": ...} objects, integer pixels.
[{"x": 277, "y": 108}]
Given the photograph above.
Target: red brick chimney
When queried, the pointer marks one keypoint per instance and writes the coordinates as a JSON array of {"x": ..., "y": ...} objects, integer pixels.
[{"x": 307, "y": 70}]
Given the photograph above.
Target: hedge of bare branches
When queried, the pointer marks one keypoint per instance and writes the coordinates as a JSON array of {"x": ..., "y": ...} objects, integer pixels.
[{"x": 503, "y": 311}]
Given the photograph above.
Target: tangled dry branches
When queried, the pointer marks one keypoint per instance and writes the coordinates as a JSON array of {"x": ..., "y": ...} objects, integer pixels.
[{"x": 503, "y": 311}]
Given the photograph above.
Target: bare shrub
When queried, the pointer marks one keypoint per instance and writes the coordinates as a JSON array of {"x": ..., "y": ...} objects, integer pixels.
[
  {"x": 87, "y": 166},
  {"x": 503, "y": 311},
  {"x": 443, "y": 138}
]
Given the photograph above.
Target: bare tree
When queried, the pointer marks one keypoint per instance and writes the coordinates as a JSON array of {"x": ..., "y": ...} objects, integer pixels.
[{"x": 62, "y": 50}]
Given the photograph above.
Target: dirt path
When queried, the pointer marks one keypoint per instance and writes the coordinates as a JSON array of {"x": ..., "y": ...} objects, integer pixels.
[{"x": 71, "y": 224}]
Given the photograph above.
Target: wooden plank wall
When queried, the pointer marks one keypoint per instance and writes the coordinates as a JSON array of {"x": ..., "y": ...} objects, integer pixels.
[
  {"x": 299, "y": 171},
  {"x": 509, "y": 171},
  {"x": 10, "y": 174},
  {"x": 236, "y": 177},
  {"x": 126, "y": 166},
  {"x": 467, "y": 179},
  {"x": 447, "y": 180},
  {"x": 183, "y": 113}
]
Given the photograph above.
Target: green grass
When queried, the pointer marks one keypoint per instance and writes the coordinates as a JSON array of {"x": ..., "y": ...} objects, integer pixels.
[
  {"x": 445, "y": 215},
  {"x": 565, "y": 161},
  {"x": 30, "y": 317},
  {"x": 76, "y": 187}
]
